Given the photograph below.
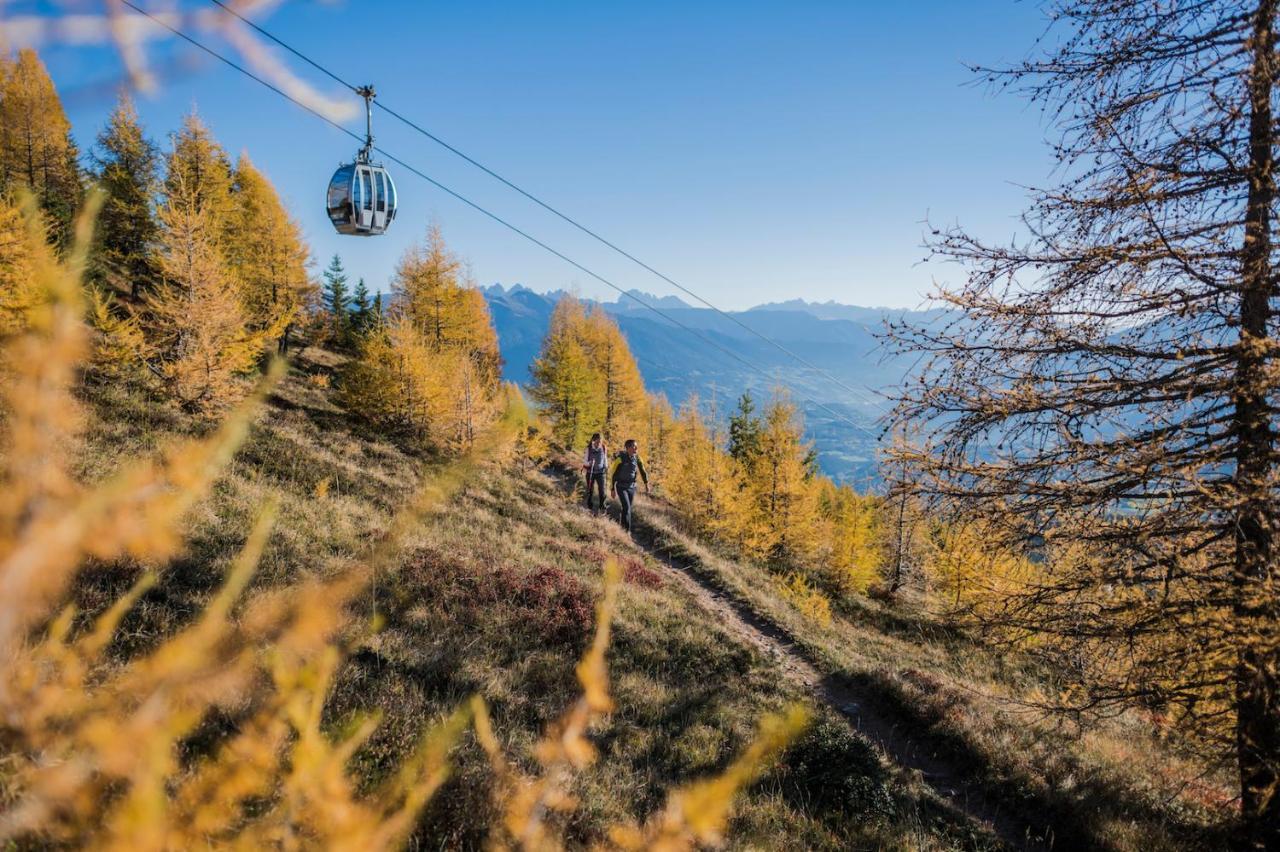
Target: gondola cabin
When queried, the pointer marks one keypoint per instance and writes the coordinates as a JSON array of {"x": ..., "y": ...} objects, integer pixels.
[{"x": 361, "y": 199}]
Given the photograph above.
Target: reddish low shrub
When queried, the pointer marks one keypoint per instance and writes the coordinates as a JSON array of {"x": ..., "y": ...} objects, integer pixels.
[
  {"x": 563, "y": 602},
  {"x": 545, "y": 600},
  {"x": 638, "y": 574}
]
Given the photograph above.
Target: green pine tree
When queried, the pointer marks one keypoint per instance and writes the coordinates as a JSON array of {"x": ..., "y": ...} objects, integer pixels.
[
  {"x": 361, "y": 309},
  {"x": 744, "y": 431},
  {"x": 337, "y": 301}
]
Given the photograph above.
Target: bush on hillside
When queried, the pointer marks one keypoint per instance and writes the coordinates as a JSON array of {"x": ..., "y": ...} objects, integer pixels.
[{"x": 830, "y": 771}]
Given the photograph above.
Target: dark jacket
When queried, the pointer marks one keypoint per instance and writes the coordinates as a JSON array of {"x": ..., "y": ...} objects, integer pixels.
[{"x": 626, "y": 468}]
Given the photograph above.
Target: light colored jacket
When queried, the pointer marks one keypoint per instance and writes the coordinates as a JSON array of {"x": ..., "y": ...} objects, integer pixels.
[{"x": 601, "y": 461}]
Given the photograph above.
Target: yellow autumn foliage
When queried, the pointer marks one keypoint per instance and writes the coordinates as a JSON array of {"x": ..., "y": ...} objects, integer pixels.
[
  {"x": 93, "y": 756},
  {"x": 21, "y": 237},
  {"x": 119, "y": 344},
  {"x": 701, "y": 480},
  {"x": 586, "y": 379},
  {"x": 851, "y": 536},
  {"x": 265, "y": 248},
  {"x": 968, "y": 569},
  {"x": 37, "y": 153},
  {"x": 810, "y": 602},
  {"x": 431, "y": 370},
  {"x": 197, "y": 334}
]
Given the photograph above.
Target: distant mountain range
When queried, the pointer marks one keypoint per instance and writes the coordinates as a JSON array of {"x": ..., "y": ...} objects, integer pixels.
[{"x": 839, "y": 339}]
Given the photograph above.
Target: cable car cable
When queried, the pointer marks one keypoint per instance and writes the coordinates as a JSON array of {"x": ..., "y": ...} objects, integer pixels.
[
  {"x": 495, "y": 217},
  {"x": 865, "y": 395}
]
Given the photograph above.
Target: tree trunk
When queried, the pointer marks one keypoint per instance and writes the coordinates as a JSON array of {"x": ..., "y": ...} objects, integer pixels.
[
  {"x": 896, "y": 582},
  {"x": 1257, "y": 687}
]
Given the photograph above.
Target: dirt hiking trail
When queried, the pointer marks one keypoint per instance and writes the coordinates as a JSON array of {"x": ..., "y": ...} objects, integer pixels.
[{"x": 855, "y": 705}]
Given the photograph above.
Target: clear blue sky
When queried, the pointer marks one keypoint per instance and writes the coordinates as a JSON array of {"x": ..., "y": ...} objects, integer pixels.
[{"x": 753, "y": 151}]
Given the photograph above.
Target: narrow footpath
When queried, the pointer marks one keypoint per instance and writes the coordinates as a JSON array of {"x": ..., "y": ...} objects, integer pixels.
[{"x": 775, "y": 643}]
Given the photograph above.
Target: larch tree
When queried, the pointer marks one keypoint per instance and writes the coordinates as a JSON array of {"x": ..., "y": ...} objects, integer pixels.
[
  {"x": 405, "y": 384},
  {"x": 194, "y": 323},
  {"x": 850, "y": 536},
  {"x": 119, "y": 344},
  {"x": 430, "y": 291},
  {"x": 198, "y": 170},
  {"x": 701, "y": 480},
  {"x": 1113, "y": 387},
  {"x": 425, "y": 288},
  {"x": 477, "y": 336},
  {"x": 431, "y": 368},
  {"x": 618, "y": 381},
  {"x": 126, "y": 165},
  {"x": 564, "y": 378},
  {"x": 36, "y": 148},
  {"x": 265, "y": 248},
  {"x": 18, "y": 290},
  {"x": 657, "y": 436},
  {"x": 904, "y": 530},
  {"x": 777, "y": 483},
  {"x": 374, "y": 383}
]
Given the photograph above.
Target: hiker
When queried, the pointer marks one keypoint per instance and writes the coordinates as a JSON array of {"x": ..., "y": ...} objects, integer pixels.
[
  {"x": 594, "y": 465},
  {"x": 622, "y": 480}
]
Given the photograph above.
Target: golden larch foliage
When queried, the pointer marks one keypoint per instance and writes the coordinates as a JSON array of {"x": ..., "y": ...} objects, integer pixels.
[
  {"x": 702, "y": 482},
  {"x": 94, "y": 748},
  {"x": 784, "y": 524},
  {"x": 195, "y": 325},
  {"x": 36, "y": 150},
  {"x": 587, "y": 380},
  {"x": 618, "y": 380},
  {"x": 850, "y": 529},
  {"x": 969, "y": 567},
  {"x": 564, "y": 378},
  {"x": 265, "y": 249},
  {"x": 431, "y": 370},
  {"x": 21, "y": 236},
  {"x": 431, "y": 293},
  {"x": 127, "y": 164},
  {"x": 119, "y": 346},
  {"x": 198, "y": 171},
  {"x": 657, "y": 435},
  {"x": 810, "y": 602}
]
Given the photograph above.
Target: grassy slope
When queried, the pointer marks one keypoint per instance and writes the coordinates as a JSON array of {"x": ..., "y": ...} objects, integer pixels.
[
  {"x": 494, "y": 596},
  {"x": 1114, "y": 786}
]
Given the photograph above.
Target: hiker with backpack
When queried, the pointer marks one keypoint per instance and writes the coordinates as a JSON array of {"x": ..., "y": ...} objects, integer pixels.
[
  {"x": 627, "y": 468},
  {"x": 594, "y": 465}
]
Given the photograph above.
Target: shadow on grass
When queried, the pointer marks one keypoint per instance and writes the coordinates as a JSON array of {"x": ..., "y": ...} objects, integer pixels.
[{"x": 1075, "y": 820}]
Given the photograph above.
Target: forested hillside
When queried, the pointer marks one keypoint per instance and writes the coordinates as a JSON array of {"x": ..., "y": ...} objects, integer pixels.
[{"x": 681, "y": 366}]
